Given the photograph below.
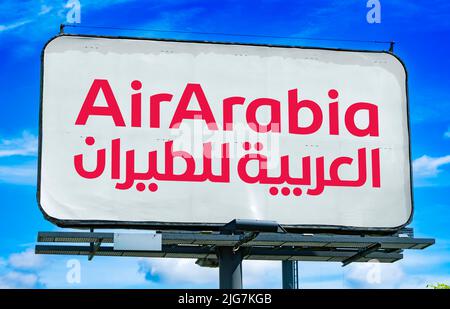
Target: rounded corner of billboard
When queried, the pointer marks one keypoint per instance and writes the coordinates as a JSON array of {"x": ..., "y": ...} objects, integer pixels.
[
  {"x": 408, "y": 221},
  {"x": 410, "y": 217},
  {"x": 398, "y": 60},
  {"x": 50, "y": 41},
  {"x": 58, "y": 222}
]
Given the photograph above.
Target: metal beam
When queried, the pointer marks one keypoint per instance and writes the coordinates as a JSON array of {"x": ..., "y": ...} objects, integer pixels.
[
  {"x": 263, "y": 239},
  {"x": 75, "y": 237},
  {"x": 198, "y": 252},
  {"x": 227, "y": 249},
  {"x": 264, "y": 246}
]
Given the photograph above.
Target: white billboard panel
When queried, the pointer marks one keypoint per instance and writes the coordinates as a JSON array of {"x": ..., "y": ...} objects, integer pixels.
[{"x": 151, "y": 132}]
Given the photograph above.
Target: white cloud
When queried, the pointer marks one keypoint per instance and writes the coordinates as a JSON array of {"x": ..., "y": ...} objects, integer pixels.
[
  {"x": 25, "y": 145},
  {"x": 416, "y": 260},
  {"x": 24, "y": 174},
  {"x": 14, "y": 25},
  {"x": 415, "y": 271},
  {"x": 373, "y": 275},
  {"x": 26, "y": 260},
  {"x": 178, "y": 271},
  {"x": 426, "y": 166},
  {"x": 311, "y": 271},
  {"x": 322, "y": 284},
  {"x": 390, "y": 276},
  {"x": 256, "y": 274},
  {"x": 19, "y": 280},
  {"x": 121, "y": 273},
  {"x": 43, "y": 17},
  {"x": 261, "y": 274},
  {"x": 25, "y": 270},
  {"x": 45, "y": 9},
  {"x": 20, "y": 271},
  {"x": 422, "y": 282}
]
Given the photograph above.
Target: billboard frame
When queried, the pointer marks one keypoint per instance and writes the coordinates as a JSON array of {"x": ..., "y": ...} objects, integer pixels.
[
  {"x": 196, "y": 226},
  {"x": 228, "y": 250}
]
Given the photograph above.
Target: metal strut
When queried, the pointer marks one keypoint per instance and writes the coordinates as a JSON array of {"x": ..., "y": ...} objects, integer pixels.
[
  {"x": 362, "y": 253},
  {"x": 94, "y": 248}
]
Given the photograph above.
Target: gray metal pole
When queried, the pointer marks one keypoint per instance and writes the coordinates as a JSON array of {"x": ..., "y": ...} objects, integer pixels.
[
  {"x": 290, "y": 275},
  {"x": 230, "y": 268}
]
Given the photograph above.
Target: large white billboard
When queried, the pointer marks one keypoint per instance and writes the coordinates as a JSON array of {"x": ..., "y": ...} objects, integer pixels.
[{"x": 159, "y": 133}]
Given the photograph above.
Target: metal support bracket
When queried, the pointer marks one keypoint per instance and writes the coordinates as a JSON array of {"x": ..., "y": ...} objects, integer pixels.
[
  {"x": 244, "y": 239},
  {"x": 362, "y": 253},
  {"x": 391, "y": 47},
  {"x": 405, "y": 232},
  {"x": 94, "y": 248}
]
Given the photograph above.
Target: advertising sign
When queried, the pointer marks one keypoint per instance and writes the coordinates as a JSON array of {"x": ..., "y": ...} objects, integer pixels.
[{"x": 156, "y": 133}]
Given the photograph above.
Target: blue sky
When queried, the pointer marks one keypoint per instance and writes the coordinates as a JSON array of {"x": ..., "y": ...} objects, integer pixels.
[{"x": 421, "y": 30}]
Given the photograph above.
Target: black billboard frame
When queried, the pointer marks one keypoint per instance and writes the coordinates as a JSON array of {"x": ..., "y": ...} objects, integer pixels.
[{"x": 195, "y": 226}]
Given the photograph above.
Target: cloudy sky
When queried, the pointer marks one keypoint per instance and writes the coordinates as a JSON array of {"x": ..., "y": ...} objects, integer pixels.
[{"x": 421, "y": 30}]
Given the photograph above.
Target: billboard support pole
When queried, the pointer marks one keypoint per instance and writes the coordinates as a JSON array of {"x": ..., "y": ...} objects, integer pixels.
[
  {"x": 289, "y": 274},
  {"x": 230, "y": 268},
  {"x": 230, "y": 258}
]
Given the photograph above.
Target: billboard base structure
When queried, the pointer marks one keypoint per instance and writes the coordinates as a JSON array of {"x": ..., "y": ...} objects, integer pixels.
[{"x": 239, "y": 240}]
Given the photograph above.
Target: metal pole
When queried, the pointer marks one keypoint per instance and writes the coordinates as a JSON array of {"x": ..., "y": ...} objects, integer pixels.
[
  {"x": 290, "y": 275},
  {"x": 230, "y": 268}
]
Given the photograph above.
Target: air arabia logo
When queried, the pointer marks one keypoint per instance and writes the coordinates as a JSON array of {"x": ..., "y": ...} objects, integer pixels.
[{"x": 325, "y": 176}]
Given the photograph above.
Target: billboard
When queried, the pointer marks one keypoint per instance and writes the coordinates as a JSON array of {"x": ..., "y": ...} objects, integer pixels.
[{"x": 164, "y": 134}]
